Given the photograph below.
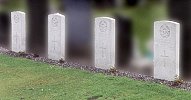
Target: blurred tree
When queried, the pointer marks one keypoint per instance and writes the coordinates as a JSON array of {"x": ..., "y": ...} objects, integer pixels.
[
  {"x": 79, "y": 21},
  {"x": 37, "y": 15},
  {"x": 104, "y": 3},
  {"x": 6, "y": 6},
  {"x": 180, "y": 10},
  {"x": 132, "y": 2},
  {"x": 10, "y": 5}
]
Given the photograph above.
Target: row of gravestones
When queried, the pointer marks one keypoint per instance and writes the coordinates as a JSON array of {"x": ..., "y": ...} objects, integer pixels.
[{"x": 166, "y": 42}]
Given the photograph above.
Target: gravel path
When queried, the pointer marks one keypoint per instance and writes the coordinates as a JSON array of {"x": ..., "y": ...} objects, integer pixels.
[{"x": 174, "y": 84}]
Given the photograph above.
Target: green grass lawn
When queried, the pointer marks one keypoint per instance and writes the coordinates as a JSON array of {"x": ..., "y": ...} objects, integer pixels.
[{"x": 22, "y": 79}]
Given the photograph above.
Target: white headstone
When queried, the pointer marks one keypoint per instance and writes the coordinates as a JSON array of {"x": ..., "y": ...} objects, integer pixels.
[
  {"x": 104, "y": 42},
  {"x": 18, "y": 31},
  {"x": 166, "y": 50},
  {"x": 56, "y": 36}
]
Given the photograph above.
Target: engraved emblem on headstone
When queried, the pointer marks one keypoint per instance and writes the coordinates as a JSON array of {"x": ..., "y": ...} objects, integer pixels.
[
  {"x": 16, "y": 18},
  {"x": 164, "y": 31},
  {"x": 103, "y": 26},
  {"x": 54, "y": 21}
]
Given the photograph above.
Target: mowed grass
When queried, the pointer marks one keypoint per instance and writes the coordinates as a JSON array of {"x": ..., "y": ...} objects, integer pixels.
[{"x": 22, "y": 79}]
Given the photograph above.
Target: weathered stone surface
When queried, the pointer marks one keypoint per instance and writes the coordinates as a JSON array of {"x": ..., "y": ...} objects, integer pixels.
[
  {"x": 104, "y": 42},
  {"x": 56, "y": 36},
  {"x": 166, "y": 50},
  {"x": 18, "y": 31}
]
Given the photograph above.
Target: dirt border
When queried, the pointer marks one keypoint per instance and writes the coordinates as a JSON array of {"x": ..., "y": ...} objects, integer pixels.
[{"x": 136, "y": 76}]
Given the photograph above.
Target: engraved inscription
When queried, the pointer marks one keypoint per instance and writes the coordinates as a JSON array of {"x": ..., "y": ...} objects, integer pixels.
[
  {"x": 164, "y": 31},
  {"x": 164, "y": 56},
  {"x": 16, "y": 40},
  {"x": 54, "y": 43},
  {"x": 103, "y": 49},
  {"x": 103, "y": 26}
]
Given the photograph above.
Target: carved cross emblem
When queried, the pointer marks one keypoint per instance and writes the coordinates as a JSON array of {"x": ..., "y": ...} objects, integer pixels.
[
  {"x": 164, "y": 56},
  {"x": 16, "y": 38},
  {"x": 54, "y": 44}
]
